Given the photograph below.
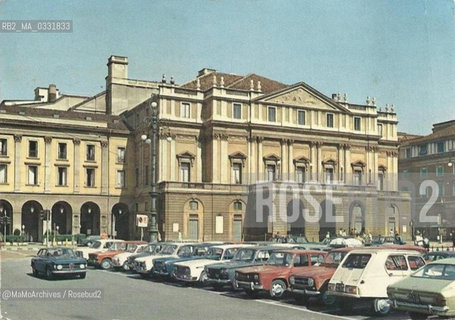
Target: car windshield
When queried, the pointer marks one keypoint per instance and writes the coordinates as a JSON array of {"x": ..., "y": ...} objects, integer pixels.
[
  {"x": 229, "y": 253},
  {"x": 334, "y": 258},
  {"x": 245, "y": 255},
  {"x": 280, "y": 259},
  {"x": 142, "y": 249},
  {"x": 185, "y": 251},
  {"x": 131, "y": 248},
  {"x": 95, "y": 245},
  {"x": 357, "y": 261},
  {"x": 169, "y": 249},
  {"x": 61, "y": 253},
  {"x": 150, "y": 248},
  {"x": 117, "y": 246},
  {"x": 214, "y": 253},
  {"x": 436, "y": 271}
]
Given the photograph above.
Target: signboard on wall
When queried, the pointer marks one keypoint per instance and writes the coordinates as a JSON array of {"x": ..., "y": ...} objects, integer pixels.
[{"x": 142, "y": 220}]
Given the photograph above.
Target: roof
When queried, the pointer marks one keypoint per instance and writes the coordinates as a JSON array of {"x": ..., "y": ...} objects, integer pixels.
[
  {"x": 233, "y": 81},
  {"x": 438, "y": 134}
]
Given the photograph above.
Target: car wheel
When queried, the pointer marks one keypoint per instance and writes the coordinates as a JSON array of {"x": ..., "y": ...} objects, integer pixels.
[
  {"x": 82, "y": 275},
  {"x": 106, "y": 264},
  {"x": 381, "y": 306},
  {"x": 125, "y": 266},
  {"x": 327, "y": 299},
  {"x": 301, "y": 299},
  {"x": 49, "y": 274},
  {"x": 417, "y": 316},
  {"x": 203, "y": 277},
  {"x": 34, "y": 272},
  {"x": 278, "y": 289}
]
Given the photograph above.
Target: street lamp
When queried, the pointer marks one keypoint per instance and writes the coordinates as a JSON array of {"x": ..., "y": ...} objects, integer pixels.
[
  {"x": 2, "y": 210},
  {"x": 153, "y": 123}
]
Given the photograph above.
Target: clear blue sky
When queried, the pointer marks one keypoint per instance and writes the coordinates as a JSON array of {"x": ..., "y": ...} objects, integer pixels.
[{"x": 401, "y": 52}]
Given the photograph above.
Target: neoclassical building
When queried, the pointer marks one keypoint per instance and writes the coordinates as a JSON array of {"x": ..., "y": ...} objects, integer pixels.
[{"x": 239, "y": 157}]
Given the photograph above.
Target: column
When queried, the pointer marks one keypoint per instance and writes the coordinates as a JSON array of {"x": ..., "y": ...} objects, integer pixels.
[
  {"x": 47, "y": 164},
  {"x": 347, "y": 164},
  {"x": 260, "y": 171},
  {"x": 395, "y": 170},
  {"x": 17, "y": 162},
  {"x": 319, "y": 162},
  {"x": 313, "y": 160},
  {"x": 290, "y": 160},
  {"x": 340, "y": 161},
  {"x": 215, "y": 161},
  {"x": 369, "y": 176},
  {"x": 172, "y": 161},
  {"x": 105, "y": 167},
  {"x": 76, "y": 164},
  {"x": 224, "y": 164},
  {"x": 253, "y": 161},
  {"x": 284, "y": 169},
  {"x": 199, "y": 159},
  {"x": 376, "y": 164},
  {"x": 248, "y": 161}
]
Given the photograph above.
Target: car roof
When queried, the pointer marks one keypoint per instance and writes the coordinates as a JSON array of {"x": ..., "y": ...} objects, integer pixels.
[
  {"x": 135, "y": 242},
  {"x": 301, "y": 251},
  {"x": 230, "y": 246},
  {"x": 383, "y": 251},
  {"x": 346, "y": 249},
  {"x": 444, "y": 261}
]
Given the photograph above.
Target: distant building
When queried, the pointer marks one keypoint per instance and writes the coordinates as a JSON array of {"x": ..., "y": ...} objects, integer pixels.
[
  {"x": 223, "y": 140},
  {"x": 430, "y": 158}
]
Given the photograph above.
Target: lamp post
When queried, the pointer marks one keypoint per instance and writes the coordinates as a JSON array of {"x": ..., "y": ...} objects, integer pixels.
[
  {"x": 153, "y": 141},
  {"x": 2, "y": 210}
]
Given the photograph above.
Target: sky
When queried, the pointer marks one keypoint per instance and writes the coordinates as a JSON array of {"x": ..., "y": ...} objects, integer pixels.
[{"x": 399, "y": 51}]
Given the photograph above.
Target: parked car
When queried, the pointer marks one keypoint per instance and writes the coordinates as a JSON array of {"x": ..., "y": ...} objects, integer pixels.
[
  {"x": 103, "y": 259},
  {"x": 313, "y": 281},
  {"x": 120, "y": 261},
  {"x": 429, "y": 291},
  {"x": 97, "y": 246},
  {"x": 438, "y": 255},
  {"x": 223, "y": 274},
  {"x": 151, "y": 249},
  {"x": 54, "y": 262},
  {"x": 86, "y": 242},
  {"x": 345, "y": 243},
  {"x": 193, "y": 270},
  {"x": 144, "y": 265},
  {"x": 164, "y": 267},
  {"x": 366, "y": 273},
  {"x": 273, "y": 276}
]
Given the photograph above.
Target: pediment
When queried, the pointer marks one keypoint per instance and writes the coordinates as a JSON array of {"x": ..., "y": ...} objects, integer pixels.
[{"x": 304, "y": 96}]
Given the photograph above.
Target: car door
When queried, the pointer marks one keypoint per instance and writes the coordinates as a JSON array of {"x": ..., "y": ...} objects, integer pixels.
[
  {"x": 39, "y": 260},
  {"x": 396, "y": 267}
]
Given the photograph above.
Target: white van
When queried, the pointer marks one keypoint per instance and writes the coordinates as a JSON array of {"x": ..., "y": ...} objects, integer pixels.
[{"x": 366, "y": 273}]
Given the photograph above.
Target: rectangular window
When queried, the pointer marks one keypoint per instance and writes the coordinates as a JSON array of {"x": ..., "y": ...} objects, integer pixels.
[
  {"x": 120, "y": 154},
  {"x": 439, "y": 171},
  {"x": 271, "y": 172},
  {"x": 329, "y": 175},
  {"x": 453, "y": 189},
  {"x": 62, "y": 151},
  {"x": 357, "y": 177},
  {"x": 330, "y": 120},
  {"x": 146, "y": 175},
  {"x": 33, "y": 175},
  {"x": 300, "y": 174},
  {"x": 408, "y": 153},
  {"x": 380, "y": 130},
  {"x": 90, "y": 152},
  {"x": 237, "y": 173},
  {"x": 62, "y": 176},
  {"x": 441, "y": 189},
  {"x": 440, "y": 146},
  {"x": 185, "y": 110},
  {"x": 33, "y": 149},
  {"x": 185, "y": 172},
  {"x": 120, "y": 178},
  {"x": 137, "y": 176},
  {"x": 272, "y": 114},
  {"x": 3, "y": 147},
  {"x": 381, "y": 181},
  {"x": 357, "y": 126},
  {"x": 423, "y": 149},
  {"x": 3, "y": 173},
  {"x": 423, "y": 172},
  {"x": 90, "y": 178},
  {"x": 237, "y": 110},
  {"x": 301, "y": 117}
]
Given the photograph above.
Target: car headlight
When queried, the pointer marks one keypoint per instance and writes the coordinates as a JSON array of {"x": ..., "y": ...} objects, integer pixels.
[
  {"x": 256, "y": 277},
  {"x": 82, "y": 266},
  {"x": 292, "y": 280},
  {"x": 59, "y": 267},
  {"x": 331, "y": 287},
  {"x": 310, "y": 282},
  {"x": 350, "y": 289}
]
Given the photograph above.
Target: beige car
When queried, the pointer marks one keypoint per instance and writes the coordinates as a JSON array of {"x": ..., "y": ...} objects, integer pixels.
[{"x": 429, "y": 291}]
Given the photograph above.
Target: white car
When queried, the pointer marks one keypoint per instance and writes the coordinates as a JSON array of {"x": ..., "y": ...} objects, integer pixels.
[
  {"x": 193, "y": 270},
  {"x": 144, "y": 265},
  {"x": 366, "y": 273},
  {"x": 120, "y": 261},
  {"x": 101, "y": 245}
]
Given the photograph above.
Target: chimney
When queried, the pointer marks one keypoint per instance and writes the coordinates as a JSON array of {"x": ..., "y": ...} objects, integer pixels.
[
  {"x": 205, "y": 71},
  {"x": 117, "y": 67},
  {"x": 52, "y": 93}
]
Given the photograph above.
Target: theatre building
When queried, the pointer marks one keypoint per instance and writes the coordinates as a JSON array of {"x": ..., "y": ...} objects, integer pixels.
[{"x": 231, "y": 150}]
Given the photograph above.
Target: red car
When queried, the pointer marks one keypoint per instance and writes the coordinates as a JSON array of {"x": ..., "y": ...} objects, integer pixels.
[
  {"x": 313, "y": 281},
  {"x": 104, "y": 259},
  {"x": 273, "y": 276}
]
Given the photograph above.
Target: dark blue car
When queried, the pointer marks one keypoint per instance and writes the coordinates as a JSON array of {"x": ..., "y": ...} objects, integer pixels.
[{"x": 54, "y": 262}]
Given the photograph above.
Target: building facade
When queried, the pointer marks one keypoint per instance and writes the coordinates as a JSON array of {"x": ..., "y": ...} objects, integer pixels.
[
  {"x": 239, "y": 157},
  {"x": 427, "y": 171}
]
